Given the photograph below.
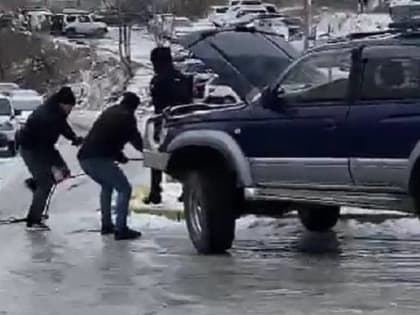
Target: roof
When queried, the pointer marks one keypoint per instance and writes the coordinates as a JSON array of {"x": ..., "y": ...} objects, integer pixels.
[{"x": 393, "y": 36}]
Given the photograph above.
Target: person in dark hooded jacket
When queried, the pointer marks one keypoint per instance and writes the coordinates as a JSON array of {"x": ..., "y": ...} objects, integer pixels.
[
  {"x": 103, "y": 146},
  {"x": 168, "y": 88},
  {"x": 37, "y": 141}
]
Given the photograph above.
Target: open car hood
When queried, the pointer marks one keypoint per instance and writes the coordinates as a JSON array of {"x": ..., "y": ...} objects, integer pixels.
[{"x": 246, "y": 59}]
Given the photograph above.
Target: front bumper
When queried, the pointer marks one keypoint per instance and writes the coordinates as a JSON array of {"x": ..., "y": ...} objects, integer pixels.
[
  {"x": 156, "y": 160},
  {"x": 3, "y": 140},
  {"x": 9, "y": 134}
]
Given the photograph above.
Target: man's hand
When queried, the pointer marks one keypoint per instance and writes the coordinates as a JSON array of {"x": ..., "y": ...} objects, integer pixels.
[{"x": 78, "y": 141}]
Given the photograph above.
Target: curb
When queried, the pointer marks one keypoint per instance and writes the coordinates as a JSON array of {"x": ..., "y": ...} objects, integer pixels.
[{"x": 175, "y": 215}]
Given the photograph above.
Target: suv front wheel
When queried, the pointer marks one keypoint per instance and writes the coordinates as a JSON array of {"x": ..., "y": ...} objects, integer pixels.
[
  {"x": 319, "y": 218},
  {"x": 210, "y": 211}
]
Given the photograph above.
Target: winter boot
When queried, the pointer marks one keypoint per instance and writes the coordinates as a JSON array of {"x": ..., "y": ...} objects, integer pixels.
[
  {"x": 126, "y": 234},
  {"x": 153, "y": 199}
]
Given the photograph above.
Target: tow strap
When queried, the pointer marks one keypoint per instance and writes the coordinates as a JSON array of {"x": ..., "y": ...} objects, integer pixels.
[{"x": 45, "y": 215}]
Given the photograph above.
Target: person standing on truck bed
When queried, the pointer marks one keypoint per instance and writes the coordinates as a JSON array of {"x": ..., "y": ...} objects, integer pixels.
[{"x": 168, "y": 87}]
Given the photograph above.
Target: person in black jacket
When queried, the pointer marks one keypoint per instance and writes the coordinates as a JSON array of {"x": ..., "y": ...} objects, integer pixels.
[
  {"x": 168, "y": 87},
  {"x": 104, "y": 146},
  {"x": 37, "y": 141}
]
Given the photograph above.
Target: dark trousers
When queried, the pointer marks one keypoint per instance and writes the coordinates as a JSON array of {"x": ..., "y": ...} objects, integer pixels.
[
  {"x": 40, "y": 168},
  {"x": 107, "y": 173},
  {"x": 156, "y": 180}
]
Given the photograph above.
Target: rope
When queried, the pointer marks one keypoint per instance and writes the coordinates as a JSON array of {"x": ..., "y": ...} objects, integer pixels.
[{"x": 45, "y": 215}]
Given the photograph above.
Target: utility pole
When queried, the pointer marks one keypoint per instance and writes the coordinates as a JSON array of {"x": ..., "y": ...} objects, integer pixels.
[{"x": 308, "y": 22}]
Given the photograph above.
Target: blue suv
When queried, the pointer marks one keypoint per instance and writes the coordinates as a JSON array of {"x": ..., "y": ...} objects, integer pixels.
[{"x": 338, "y": 126}]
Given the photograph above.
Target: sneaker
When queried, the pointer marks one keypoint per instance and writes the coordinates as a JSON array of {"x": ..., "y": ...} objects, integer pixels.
[
  {"x": 37, "y": 226},
  {"x": 153, "y": 199},
  {"x": 106, "y": 230},
  {"x": 126, "y": 234}
]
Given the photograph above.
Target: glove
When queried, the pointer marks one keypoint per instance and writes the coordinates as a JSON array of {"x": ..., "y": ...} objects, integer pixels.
[
  {"x": 78, "y": 141},
  {"x": 122, "y": 159},
  {"x": 60, "y": 173}
]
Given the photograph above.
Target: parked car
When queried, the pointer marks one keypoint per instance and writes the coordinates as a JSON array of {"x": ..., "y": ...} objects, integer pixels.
[
  {"x": 6, "y": 87},
  {"x": 8, "y": 125},
  {"x": 215, "y": 13},
  {"x": 340, "y": 126},
  {"x": 25, "y": 104},
  {"x": 203, "y": 127},
  {"x": 241, "y": 14},
  {"x": 77, "y": 23}
]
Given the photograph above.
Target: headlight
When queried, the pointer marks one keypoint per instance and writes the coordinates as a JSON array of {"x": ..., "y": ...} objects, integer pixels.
[{"x": 6, "y": 126}]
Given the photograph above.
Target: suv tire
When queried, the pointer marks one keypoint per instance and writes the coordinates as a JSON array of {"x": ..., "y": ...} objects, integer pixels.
[
  {"x": 319, "y": 218},
  {"x": 209, "y": 211},
  {"x": 12, "y": 148}
]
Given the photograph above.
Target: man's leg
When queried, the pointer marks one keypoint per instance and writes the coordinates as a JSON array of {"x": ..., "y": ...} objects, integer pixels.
[
  {"x": 41, "y": 173},
  {"x": 96, "y": 169},
  {"x": 106, "y": 200},
  {"x": 155, "y": 195},
  {"x": 108, "y": 174}
]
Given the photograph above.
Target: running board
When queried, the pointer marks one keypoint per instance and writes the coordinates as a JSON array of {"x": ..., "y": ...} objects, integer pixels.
[{"x": 380, "y": 201}]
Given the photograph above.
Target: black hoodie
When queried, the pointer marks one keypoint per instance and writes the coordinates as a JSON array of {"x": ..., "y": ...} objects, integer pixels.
[
  {"x": 43, "y": 128},
  {"x": 114, "y": 128}
]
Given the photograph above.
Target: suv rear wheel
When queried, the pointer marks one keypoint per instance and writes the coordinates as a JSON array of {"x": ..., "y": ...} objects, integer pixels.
[
  {"x": 209, "y": 209},
  {"x": 319, "y": 218}
]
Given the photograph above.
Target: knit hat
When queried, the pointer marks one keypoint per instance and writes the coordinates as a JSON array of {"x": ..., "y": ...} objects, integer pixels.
[
  {"x": 161, "y": 55},
  {"x": 131, "y": 100},
  {"x": 65, "y": 96}
]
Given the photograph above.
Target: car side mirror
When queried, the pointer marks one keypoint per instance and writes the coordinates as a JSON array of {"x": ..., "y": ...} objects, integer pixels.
[
  {"x": 273, "y": 98},
  {"x": 18, "y": 112}
]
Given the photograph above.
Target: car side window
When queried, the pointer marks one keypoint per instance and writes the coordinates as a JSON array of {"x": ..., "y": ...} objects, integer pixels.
[
  {"x": 387, "y": 78},
  {"x": 84, "y": 19},
  {"x": 320, "y": 77},
  {"x": 71, "y": 19}
]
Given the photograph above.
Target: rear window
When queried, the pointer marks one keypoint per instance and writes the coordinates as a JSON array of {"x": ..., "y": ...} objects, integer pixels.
[
  {"x": 26, "y": 104},
  {"x": 251, "y": 2},
  {"x": 5, "y": 108},
  {"x": 243, "y": 48},
  {"x": 391, "y": 78}
]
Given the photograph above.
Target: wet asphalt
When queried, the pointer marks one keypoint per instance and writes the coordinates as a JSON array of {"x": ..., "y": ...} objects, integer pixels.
[{"x": 275, "y": 266}]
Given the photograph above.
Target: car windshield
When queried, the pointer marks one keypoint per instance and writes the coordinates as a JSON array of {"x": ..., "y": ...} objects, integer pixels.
[
  {"x": 5, "y": 108},
  {"x": 221, "y": 10},
  {"x": 28, "y": 104}
]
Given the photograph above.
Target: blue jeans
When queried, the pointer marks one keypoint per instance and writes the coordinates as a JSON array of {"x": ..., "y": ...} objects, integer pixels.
[{"x": 106, "y": 173}]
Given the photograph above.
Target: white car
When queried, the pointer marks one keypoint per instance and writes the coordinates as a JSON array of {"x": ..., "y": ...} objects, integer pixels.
[
  {"x": 241, "y": 14},
  {"x": 8, "y": 125},
  {"x": 24, "y": 105},
  {"x": 8, "y": 86},
  {"x": 83, "y": 24},
  {"x": 217, "y": 93},
  {"x": 181, "y": 26},
  {"x": 272, "y": 25},
  {"x": 216, "y": 13}
]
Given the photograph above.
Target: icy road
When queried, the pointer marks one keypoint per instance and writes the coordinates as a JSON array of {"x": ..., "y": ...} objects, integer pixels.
[{"x": 274, "y": 267}]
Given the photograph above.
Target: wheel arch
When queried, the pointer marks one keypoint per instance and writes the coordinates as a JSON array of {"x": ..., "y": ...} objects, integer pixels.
[{"x": 210, "y": 144}]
